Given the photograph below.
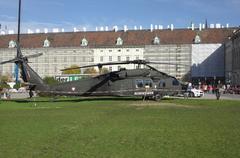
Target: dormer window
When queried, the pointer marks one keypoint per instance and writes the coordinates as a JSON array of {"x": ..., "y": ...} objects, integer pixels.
[
  {"x": 46, "y": 43},
  {"x": 12, "y": 44},
  {"x": 156, "y": 41},
  {"x": 197, "y": 39},
  {"x": 84, "y": 42},
  {"x": 119, "y": 41}
]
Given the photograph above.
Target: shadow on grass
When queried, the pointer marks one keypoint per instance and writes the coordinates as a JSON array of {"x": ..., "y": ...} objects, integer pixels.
[{"x": 73, "y": 99}]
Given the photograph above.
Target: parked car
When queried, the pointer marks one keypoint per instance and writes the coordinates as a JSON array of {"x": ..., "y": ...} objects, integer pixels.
[
  {"x": 195, "y": 92},
  {"x": 13, "y": 90}
]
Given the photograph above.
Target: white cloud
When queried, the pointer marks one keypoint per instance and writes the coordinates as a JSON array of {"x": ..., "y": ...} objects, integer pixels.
[
  {"x": 7, "y": 18},
  {"x": 68, "y": 26},
  {"x": 50, "y": 3},
  {"x": 33, "y": 25}
]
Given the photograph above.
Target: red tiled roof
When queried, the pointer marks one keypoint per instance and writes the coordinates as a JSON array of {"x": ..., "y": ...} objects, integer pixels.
[{"x": 130, "y": 38}]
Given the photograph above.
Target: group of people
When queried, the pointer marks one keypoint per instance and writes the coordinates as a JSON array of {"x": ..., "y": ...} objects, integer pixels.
[
  {"x": 213, "y": 88},
  {"x": 217, "y": 89}
]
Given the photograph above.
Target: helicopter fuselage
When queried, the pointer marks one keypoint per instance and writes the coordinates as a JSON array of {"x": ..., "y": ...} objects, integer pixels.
[{"x": 138, "y": 82}]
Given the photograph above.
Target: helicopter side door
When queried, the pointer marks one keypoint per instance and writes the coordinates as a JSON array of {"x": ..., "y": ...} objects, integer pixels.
[
  {"x": 143, "y": 87},
  {"x": 168, "y": 86}
]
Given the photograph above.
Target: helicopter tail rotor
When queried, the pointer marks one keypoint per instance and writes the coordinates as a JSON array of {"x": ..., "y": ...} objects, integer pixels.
[
  {"x": 35, "y": 81},
  {"x": 21, "y": 64}
]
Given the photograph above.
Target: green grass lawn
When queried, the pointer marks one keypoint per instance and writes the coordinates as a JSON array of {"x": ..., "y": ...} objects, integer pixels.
[{"x": 121, "y": 128}]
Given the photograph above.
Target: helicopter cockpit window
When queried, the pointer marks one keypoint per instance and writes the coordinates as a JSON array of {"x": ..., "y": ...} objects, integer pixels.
[
  {"x": 162, "y": 84},
  {"x": 175, "y": 82},
  {"x": 148, "y": 83},
  {"x": 139, "y": 83}
]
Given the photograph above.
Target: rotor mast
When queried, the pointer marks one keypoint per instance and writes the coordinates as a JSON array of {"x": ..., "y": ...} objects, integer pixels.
[{"x": 19, "y": 21}]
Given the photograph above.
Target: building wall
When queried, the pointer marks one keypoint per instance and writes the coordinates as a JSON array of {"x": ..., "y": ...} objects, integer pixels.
[
  {"x": 52, "y": 60},
  {"x": 66, "y": 49},
  {"x": 228, "y": 61},
  {"x": 7, "y": 54},
  {"x": 207, "y": 60},
  {"x": 175, "y": 54},
  {"x": 116, "y": 54},
  {"x": 236, "y": 60}
]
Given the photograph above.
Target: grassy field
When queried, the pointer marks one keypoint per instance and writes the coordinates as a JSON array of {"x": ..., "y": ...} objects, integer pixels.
[{"x": 120, "y": 128}]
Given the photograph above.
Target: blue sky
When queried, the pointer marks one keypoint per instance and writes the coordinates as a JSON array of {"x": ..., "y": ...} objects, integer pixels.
[{"x": 95, "y": 13}]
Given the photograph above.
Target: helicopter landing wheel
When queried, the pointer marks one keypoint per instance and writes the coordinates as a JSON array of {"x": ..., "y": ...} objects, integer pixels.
[
  {"x": 158, "y": 97},
  {"x": 191, "y": 94}
]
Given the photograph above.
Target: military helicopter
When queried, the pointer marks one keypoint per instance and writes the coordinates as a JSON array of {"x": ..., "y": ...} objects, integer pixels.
[{"x": 145, "y": 82}]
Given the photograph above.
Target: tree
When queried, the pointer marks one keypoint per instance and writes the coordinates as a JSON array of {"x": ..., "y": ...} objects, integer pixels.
[
  {"x": 4, "y": 85},
  {"x": 90, "y": 71},
  {"x": 5, "y": 78},
  {"x": 17, "y": 85},
  {"x": 3, "y": 81},
  {"x": 50, "y": 80},
  {"x": 72, "y": 71},
  {"x": 104, "y": 71}
]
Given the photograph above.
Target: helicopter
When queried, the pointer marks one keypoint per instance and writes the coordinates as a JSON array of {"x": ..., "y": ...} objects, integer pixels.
[{"x": 145, "y": 82}]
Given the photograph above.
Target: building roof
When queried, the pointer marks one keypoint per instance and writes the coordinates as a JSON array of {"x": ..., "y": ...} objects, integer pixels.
[{"x": 130, "y": 38}]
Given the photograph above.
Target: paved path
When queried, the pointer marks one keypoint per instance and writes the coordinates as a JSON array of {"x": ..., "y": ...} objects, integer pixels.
[
  {"x": 223, "y": 96},
  {"x": 213, "y": 96}
]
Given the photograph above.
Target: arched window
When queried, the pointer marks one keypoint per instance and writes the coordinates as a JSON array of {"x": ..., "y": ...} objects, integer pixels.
[
  {"x": 162, "y": 84},
  {"x": 46, "y": 43},
  {"x": 84, "y": 42},
  {"x": 175, "y": 82},
  {"x": 12, "y": 44},
  {"x": 119, "y": 41},
  {"x": 197, "y": 39},
  {"x": 139, "y": 83},
  {"x": 156, "y": 40}
]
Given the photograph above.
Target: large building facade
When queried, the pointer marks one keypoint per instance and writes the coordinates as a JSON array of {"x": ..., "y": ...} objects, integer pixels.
[
  {"x": 232, "y": 59},
  {"x": 201, "y": 51},
  {"x": 179, "y": 54},
  {"x": 208, "y": 61},
  {"x": 51, "y": 62},
  {"x": 117, "y": 54}
]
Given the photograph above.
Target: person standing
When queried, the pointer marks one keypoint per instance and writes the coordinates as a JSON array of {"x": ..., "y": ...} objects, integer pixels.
[{"x": 218, "y": 90}]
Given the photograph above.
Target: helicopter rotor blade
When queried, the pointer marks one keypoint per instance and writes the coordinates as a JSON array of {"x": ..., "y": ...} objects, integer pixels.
[
  {"x": 99, "y": 65},
  {"x": 34, "y": 55},
  {"x": 9, "y": 61},
  {"x": 167, "y": 63},
  {"x": 151, "y": 67},
  {"x": 156, "y": 70},
  {"x": 139, "y": 62},
  {"x": 19, "y": 59}
]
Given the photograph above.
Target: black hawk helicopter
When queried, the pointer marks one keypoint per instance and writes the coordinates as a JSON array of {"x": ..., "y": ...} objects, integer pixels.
[{"x": 145, "y": 82}]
